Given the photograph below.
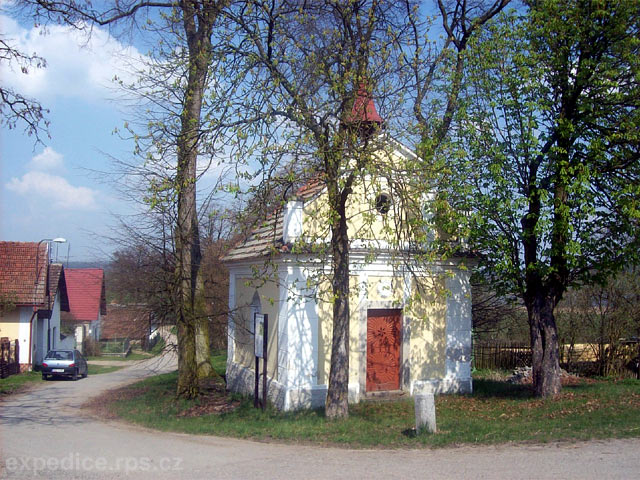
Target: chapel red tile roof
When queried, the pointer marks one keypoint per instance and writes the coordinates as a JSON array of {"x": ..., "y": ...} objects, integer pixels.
[
  {"x": 18, "y": 272},
  {"x": 85, "y": 288},
  {"x": 125, "y": 321}
]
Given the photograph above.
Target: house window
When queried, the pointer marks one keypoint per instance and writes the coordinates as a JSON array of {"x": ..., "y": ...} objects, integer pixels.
[{"x": 383, "y": 203}]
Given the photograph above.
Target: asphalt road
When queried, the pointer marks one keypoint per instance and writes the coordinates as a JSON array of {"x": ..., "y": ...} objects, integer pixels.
[{"x": 43, "y": 436}]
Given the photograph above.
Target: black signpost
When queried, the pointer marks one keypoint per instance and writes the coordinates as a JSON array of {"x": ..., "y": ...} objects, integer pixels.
[{"x": 261, "y": 329}]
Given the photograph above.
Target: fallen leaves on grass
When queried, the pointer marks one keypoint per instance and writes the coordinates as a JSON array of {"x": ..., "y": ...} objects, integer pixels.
[
  {"x": 213, "y": 399},
  {"x": 102, "y": 405},
  {"x": 633, "y": 400},
  {"x": 210, "y": 405}
]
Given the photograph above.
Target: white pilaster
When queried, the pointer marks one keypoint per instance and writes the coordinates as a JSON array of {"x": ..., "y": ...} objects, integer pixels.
[
  {"x": 231, "y": 327},
  {"x": 458, "y": 331},
  {"x": 302, "y": 332}
]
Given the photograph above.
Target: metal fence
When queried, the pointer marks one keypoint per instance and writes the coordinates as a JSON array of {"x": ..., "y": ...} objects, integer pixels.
[
  {"x": 9, "y": 357},
  {"x": 119, "y": 348},
  {"x": 505, "y": 356}
]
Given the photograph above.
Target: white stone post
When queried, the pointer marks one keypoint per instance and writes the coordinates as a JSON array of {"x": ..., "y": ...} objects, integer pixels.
[{"x": 425, "y": 407}]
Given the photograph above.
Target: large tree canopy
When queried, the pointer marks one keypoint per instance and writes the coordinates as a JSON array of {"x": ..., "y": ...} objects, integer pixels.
[{"x": 551, "y": 155}]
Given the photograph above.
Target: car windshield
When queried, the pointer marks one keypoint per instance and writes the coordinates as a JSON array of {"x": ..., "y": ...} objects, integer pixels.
[{"x": 60, "y": 355}]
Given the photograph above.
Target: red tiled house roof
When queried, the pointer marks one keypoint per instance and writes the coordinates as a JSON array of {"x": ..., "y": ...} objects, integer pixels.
[
  {"x": 125, "y": 321},
  {"x": 85, "y": 288},
  {"x": 18, "y": 272},
  {"x": 18, "y": 275},
  {"x": 57, "y": 281}
]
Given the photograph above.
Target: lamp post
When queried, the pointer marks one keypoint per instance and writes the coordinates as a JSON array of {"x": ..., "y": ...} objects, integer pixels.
[
  {"x": 48, "y": 240},
  {"x": 58, "y": 241}
]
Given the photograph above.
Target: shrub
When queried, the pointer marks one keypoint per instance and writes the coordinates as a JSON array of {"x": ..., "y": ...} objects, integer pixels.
[{"x": 91, "y": 348}]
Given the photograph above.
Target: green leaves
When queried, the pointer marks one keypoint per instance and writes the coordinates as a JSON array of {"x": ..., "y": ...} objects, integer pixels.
[{"x": 551, "y": 111}]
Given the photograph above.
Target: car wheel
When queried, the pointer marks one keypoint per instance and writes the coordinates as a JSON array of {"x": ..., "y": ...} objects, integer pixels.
[
  {"x": 85, "y": 374},
  {"x": 45, "y": 377},
  {"x": 74, "y": 377}
]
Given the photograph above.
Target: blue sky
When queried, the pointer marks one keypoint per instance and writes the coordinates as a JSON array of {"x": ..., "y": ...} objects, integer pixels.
[
  {"x": 64, "y": 187},
  {"x": 52, "y": 190}
]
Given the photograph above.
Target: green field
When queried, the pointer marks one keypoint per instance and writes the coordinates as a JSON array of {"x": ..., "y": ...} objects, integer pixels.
[{"x": 496, "y": 412}]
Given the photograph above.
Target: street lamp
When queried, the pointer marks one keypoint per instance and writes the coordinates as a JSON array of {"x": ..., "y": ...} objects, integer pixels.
[
  {"x": 58, "y": 241},
  {"x": 54, "y": 240}
]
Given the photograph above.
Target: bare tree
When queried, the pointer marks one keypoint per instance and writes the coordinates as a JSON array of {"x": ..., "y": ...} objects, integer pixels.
[
  {"x": 17, "y": 109},
  {"x": 195, "y": 20}
]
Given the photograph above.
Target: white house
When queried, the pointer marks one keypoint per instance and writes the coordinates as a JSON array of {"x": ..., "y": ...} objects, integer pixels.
[
  {"x": 87, "y": 303},
  {"x": 32, "y": 294}
]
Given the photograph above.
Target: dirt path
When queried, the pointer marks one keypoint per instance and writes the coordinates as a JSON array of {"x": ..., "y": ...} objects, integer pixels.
[
  {"x": 43, "y": 435},
  {"x": 115, "y": 363}
]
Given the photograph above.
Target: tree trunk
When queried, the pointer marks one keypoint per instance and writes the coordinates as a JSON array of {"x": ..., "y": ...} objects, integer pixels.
[
  {"x": 187, "y": 372},
  {"x": 203, "y": 351},
  {"x": 537, "y": 349},
  {"x": 337, "y": 405},
  {"x": 544, "y": 347},
  {"x": 198, "y": 24}
]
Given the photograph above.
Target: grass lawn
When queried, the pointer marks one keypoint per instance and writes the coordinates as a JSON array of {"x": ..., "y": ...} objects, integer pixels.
[
  {"x": 131, "y": 356},
  {"x": 98, "y": 369},
  {"x": 496, "y": 412},
  {"x": 15, "y": 383}
]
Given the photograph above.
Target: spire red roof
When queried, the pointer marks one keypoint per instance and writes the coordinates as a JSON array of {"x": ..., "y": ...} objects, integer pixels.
[{"x": 364, "y": 113}]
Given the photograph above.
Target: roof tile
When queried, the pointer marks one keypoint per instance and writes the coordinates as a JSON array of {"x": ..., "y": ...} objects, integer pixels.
[
  {"x": 85, "y": 289},
  {"x": 18, "y": 272}
]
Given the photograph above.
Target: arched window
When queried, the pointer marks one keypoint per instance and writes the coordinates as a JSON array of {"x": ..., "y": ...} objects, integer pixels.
[
  {"x": 383, "y": 203},
  {"x": 256, "y": 307}
]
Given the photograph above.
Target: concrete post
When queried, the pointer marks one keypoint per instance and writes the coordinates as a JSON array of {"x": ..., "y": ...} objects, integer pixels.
[{"x": 425, "y": 407}]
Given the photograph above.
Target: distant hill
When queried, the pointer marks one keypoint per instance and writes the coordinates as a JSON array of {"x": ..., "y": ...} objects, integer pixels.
[{"x": 88, "y": 264}]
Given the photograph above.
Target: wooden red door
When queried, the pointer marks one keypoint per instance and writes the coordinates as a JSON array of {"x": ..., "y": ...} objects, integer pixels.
[{"x": 383, "y": 350}]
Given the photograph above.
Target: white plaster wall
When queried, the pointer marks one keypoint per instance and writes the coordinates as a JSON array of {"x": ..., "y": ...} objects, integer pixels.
[
  {"x": 458, "y": 356},
  {"x": 292, "y": 222},
  {"x": 298, "y": 332},
  {"x": 283, "y": 335},
  {"x": 24, "y": 333},
  {"x": 80, "y": 336},
  {"x": 69, "y": 343},
  {"x": 97, "y": 327}
]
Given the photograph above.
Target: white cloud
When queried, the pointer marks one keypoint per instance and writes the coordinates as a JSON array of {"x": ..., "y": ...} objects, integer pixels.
[
  {"x": 49, "y": 159},
  {"x": 54, "y": 189},
  {"x": 77, "y": 66}
]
